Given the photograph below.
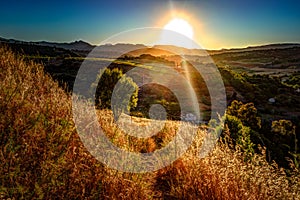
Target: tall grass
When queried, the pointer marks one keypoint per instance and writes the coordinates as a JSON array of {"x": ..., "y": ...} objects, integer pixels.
[{"x": 41, "y": 155}]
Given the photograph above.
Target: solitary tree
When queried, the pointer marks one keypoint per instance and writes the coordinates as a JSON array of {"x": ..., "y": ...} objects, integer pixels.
[{"x": 125, "y": 95}]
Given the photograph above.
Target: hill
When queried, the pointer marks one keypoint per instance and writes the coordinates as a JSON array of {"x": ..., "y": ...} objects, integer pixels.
[
  {"x": 42, "y": 156},
  {"x": 77, "y": 45},
  {"x": 114, "y": 49}
]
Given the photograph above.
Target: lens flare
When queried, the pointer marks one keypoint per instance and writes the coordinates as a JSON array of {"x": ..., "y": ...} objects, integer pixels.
[{"x": 181, "y": 26}]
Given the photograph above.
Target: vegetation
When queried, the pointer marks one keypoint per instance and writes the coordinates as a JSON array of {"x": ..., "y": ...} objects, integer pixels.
[
  {"x": 105, "y": 86},
  {"x": 41, "y": 155},
  {"x": 259, "y": 89},
  {"x": 293, "y": 80},
  {"x": 243, "y": 127}
]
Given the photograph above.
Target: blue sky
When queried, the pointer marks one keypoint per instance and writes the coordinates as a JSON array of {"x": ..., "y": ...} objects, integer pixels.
[{"x": 218, "y": 23}]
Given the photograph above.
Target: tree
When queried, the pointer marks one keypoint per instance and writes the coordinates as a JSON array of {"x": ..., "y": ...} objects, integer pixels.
[
  {"x": 242, "y": 122},
  {"x": 283, "y": 127},
  {"x": 285, "y": 134},
  {"x": 247, "y": 113},
  {"x": 238, "y": 135},
  {"x": 126, "y": 90},
  {"x": 234, "y": 108}
]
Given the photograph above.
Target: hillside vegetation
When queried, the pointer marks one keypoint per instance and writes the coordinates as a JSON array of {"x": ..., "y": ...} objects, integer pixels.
[{"x": 42, "y": 157}]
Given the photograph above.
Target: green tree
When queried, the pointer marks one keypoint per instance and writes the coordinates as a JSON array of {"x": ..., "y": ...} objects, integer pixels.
[
  {"x": 234, "y": 108},
  {"x": 125, "y": 96},
  {"x": 239, "y": 135},
  {"x": 242, "y": 124},
  {"x": 283, "y": 127},
  {"x": 285, "y": 134},
  {"x": 105, "y": 87},
  {"x": 247, "y": 113}
]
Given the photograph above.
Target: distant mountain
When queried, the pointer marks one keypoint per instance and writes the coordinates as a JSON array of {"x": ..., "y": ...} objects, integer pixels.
[
  {"x": 159, "y": 50},
  {"x": 139, "y": 49},
  {"x": 181, "y": 50},
  {"x": 151, "y": 51},
  {"x": 254, "y": 48},
  {"x": 113, "y": 50},
  {"x": 77, "y": 45},
  {"x": 274, "y": 46},
  {"x": 121, "y": 47},
  {"x": 3, "y": 40}
]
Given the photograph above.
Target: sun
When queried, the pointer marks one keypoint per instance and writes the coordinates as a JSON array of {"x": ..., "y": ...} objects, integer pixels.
[{"x": 181, "y": 26}]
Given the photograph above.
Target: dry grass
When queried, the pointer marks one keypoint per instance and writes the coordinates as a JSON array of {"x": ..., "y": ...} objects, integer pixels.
[{"x": 41, "y": 155}]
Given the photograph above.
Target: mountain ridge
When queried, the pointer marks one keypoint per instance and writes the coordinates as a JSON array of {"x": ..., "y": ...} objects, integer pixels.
[{"x": 80, "y": 45}]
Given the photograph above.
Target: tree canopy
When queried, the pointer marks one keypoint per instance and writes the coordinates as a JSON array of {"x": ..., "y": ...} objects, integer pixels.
[{"x": 114, "y": 90}]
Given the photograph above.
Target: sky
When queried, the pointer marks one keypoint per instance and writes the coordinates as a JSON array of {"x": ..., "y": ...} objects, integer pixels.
[{"x": 216, "y": 23}]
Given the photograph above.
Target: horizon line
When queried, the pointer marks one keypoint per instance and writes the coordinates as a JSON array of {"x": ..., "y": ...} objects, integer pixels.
[{"x": 209, "y": 49}]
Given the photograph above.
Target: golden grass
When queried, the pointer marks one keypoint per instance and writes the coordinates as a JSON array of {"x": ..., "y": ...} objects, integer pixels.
[{"x": 41, "y": 155}]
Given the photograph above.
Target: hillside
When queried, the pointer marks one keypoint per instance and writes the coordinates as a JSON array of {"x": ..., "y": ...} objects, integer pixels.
[
  {"x": 267, "y": 76},
  {"x": 43, "y": 157}
]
